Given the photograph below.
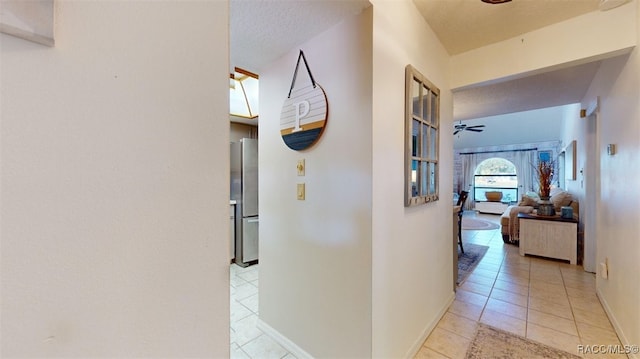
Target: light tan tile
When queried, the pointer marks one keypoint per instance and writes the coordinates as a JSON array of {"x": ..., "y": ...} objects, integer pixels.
[
  {"x": 509, "y": 309},
  {"x": 546, "y": 286},
  {"x": 480, "y": 280},
  {"x": 549, "y": 295},
  {"x": 555, "y": 278},
  {"x": 509, "y": 297},
  {"x": 458, "y": 324},
  {"x": 511, "y": 267},
  {"x": 564, "y": 325},
  {"x": 447, "y": 343},
  {"x": 485, "y": 273},
  {"x": 519, "y": 273},
  {"x": 595, "y": 318},
  {"x": 580, "y": 292},
  {"x": 513, "y": 279},
  {"x": 467, "y": 310},
  {"x": 504, "y": 322},
  {"x": 553, "y": 338},
  {"x": 428, "y": 353},
  {"x": 481, "y": 289},
  {"x": 589, "y": 303},
  {"x": 545, "y": 306},
  {"x": 471, "y": 297},
  {"x": 511, "y": 287},
  {"x": 591, "y": 335}
]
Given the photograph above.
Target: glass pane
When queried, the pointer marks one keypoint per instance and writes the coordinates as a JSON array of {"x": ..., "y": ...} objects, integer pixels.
[
  {"x": 415, "y": 95},
  {"x": 423, "y": 178},
  {"x": 425, "y": 141},
  {"x": 425, "y": 103},
  {"x": 434, "y": 109},
  {"x": 433, "y": 144},
  {"x": 497, "y": 181},
  {"x": 432, "y": 178},
  {"x": 495, "y": 165},
  {"x": 414, "y": 178},
  {"x": 415, "y": 135},
  {"x": 508, "y": 194}
]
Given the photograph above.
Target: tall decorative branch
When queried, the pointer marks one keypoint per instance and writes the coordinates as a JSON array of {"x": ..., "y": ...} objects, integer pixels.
[{"x": 545, "y": 175}]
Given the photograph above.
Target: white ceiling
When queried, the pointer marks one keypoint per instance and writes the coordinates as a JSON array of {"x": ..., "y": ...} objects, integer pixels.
[
  {"x": 264, "y": 30},
  {"x": 516, "y": 128}
]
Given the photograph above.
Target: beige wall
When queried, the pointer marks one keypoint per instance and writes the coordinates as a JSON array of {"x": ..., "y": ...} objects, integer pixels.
[
  {"x": 114, "y": 205},
  {"x": 412, "y": 259},
  {"x": 315, "y": 255},
  {"x": 617, "y": 84},
  {"x": 590, "y": 37}
]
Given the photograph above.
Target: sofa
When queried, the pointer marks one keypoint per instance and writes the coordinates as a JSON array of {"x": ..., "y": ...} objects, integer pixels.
[{"x": 528, "y": 204}]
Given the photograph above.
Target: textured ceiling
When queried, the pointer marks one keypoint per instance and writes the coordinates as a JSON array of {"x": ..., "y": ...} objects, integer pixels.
[
  {"x": 462, "y": 25},
  {"x": 262, "y": 31}
]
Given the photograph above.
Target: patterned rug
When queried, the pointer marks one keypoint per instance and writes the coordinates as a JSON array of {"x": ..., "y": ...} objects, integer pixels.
[
  {"x": 490, "y": 342},
  {"x": 478, "y": 223},
  {"x": 468, "y": 260}
]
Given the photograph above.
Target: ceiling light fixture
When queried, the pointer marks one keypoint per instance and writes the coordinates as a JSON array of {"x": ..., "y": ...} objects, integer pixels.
[{"x": 495, "y": 1}]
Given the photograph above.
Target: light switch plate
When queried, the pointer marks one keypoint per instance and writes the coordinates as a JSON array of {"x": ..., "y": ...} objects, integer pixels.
[
  {"x": 300, "y": 167},
  {"x": 300, "y": 192}
]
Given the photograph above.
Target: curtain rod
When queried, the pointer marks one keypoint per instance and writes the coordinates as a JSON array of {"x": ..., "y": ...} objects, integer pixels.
[{"x": 522, "y": 150}]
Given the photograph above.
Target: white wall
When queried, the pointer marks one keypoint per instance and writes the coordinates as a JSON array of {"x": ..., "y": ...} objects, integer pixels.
[
  {"x": 617, "y": 83},
  {"x": 412, "y": 247},
  {"x": 315, "y": 255},
  {"x": 595, "y": 35},
  {"x": 114, "y": 194}
]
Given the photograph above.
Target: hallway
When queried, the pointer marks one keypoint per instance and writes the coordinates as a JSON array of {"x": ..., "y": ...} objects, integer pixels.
[{"x": 547, "y": 301}]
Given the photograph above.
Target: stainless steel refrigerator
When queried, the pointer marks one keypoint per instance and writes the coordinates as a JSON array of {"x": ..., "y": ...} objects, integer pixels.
[{"x": 244, "y": 189}]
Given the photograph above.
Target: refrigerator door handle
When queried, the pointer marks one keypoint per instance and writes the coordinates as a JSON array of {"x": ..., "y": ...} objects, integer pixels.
[{"x": 253, "y": 220}]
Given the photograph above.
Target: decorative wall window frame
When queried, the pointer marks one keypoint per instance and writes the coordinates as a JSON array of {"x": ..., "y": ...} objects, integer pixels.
[{"x": 422, "y": 139}]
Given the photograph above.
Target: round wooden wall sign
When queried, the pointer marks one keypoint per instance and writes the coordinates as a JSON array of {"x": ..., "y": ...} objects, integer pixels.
[
  {"x": 303, "y": 117},
  {"x": 304, "y": 113}
]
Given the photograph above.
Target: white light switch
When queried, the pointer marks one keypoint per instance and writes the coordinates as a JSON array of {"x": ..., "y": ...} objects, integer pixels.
[
  {"x": 300, "y": 193},
  {"x": 300, "y": 167}
]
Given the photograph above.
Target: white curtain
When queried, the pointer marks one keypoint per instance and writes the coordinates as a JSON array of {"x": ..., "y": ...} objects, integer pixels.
[
  {"x": 468, "y": 171},
  {"x": 525, "y": 162}
]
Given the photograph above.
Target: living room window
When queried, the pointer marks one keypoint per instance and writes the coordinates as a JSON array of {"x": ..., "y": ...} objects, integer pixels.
[
  {"x": 496, "y": 175},
  {"x": 422, "y": 138}
]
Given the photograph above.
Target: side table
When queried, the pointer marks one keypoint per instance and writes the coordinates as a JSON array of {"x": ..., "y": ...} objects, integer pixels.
[{"x": 549, "y": 236}]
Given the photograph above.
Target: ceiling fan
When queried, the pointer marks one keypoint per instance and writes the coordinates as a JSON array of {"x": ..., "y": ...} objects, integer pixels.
[{"x": 462, "y": 127}]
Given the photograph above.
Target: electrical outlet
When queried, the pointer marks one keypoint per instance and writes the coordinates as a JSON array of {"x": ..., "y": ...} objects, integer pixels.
[{"x": 300, "y": 192}]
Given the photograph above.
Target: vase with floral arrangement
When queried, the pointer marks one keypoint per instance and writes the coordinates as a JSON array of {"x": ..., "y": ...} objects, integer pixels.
[{"x": 545, "y": 175}]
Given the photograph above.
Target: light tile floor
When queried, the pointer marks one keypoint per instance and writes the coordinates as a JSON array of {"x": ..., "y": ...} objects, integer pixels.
[
  {"x": 545, "y": 300},
  {"x": 548, "y": 301},
  {"x": 247, "y": 341}
]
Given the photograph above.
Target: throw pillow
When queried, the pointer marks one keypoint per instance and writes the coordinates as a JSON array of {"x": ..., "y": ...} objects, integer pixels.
[
  {"x": 561, "y": 199},
  {"x": 528, "y": 201}
]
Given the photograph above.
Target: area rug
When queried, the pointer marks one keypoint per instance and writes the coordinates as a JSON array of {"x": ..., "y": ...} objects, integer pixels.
[
  {"x": 490, "y": 342},
  {"x": 468, "y": 260},
  {"x": 478, "y": 224}
]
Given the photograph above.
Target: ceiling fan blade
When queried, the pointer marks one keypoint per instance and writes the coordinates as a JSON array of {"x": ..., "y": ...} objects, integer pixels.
[
  {"x": 474, "y": 129},
  {"x": 476, "y": 126},
  {"x": 456, "y": 132}
]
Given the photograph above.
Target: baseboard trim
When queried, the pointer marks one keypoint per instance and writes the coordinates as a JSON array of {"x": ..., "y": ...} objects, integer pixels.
[
  {"x": 292, "y": 347},
  {"x": 616, "y": 325},
  {"x": 417, "y": 345}
]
